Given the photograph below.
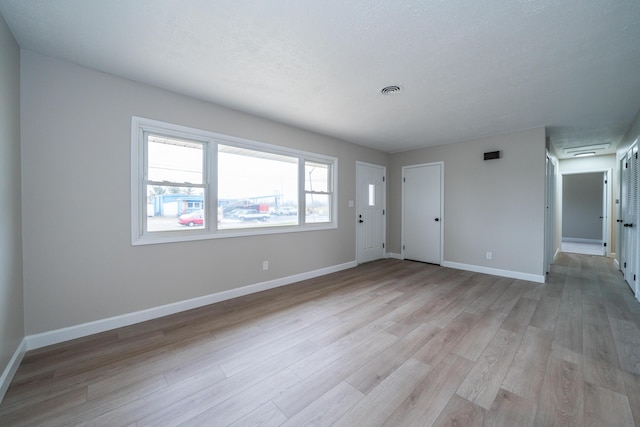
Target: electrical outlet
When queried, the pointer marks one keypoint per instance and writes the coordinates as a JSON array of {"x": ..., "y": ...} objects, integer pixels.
[
  {"x": 489, "y": 255},
  {"x": 265, "y": 265}
]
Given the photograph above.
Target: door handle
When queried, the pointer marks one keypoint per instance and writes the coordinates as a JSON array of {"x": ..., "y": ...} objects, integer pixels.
[
  {"x": 437, "y": 219},
  {"x": 360, "y": 221}
]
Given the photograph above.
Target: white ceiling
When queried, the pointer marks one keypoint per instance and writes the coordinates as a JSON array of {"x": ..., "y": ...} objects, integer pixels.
[{"x": 468, "y": 68}]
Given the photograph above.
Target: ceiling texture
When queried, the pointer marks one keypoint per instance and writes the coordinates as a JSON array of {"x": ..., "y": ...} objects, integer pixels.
[{"x": 467, "y": 69}]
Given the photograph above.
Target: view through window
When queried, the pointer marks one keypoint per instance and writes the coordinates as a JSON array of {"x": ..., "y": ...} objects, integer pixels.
[
  {"x": 317, "y": 192},
  {"x": 175, "y": 184},
  {"x": 256, "y": 188},
  {"x": 190, "y": 184}
]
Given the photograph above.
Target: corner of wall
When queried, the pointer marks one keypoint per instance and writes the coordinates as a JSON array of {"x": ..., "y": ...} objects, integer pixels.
[
  {"x": 12, "y": 343},
  {"x": 11, "y": 368}
]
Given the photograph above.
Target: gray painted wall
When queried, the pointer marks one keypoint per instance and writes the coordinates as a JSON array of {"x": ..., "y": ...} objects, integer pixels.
[
  {"x": 582, "y": 206},
  {"x": 495, "y": 205},
  {"x": 11, "y": 290},
  {"x": 76, "y": 147},
  {"x": 80, "y": 265}
]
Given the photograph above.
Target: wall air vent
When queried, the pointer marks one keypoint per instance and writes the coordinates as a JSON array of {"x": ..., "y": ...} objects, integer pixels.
[
  {"x": 491, "y": 155},
  {"x": 390, "y": 90}
]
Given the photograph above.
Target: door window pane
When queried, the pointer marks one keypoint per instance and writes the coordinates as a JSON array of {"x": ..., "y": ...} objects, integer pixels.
[{"x": 372, "y": 195}]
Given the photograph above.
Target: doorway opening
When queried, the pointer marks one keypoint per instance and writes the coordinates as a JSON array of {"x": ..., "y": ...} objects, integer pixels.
[{"x": 585, "y": 208}]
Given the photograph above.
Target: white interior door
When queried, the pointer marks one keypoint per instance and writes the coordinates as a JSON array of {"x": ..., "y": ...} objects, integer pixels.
[
  {"x": 624, "y": 200},
  {"x": 422, "y": 213},
  {"x": 605, "y": 213},
  {"x": 370, "y": 212},
  {"x": 633, "y": 228},
  {"x": 629, "y": 198}
]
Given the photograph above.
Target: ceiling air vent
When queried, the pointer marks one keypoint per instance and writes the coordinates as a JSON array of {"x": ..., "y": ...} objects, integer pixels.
[
  {"x": 585, "y": 148},
  {"x": 390, "y": 90}
]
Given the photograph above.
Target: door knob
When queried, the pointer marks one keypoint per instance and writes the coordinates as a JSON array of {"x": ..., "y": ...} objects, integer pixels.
[{"x": 437, "y": 219}]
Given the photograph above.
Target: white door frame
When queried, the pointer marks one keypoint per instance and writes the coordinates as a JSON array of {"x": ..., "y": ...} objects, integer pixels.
[
  {"x": 619, "y": 236},
  {"x": 608, "y": 172},
  {"x": 404, "y": 168},
  {"x": 384, "y": 208},
  {"x": 606, "y": 207},
  {"x": 550, "y": 195},
  {"x": 622, "y": 235}
]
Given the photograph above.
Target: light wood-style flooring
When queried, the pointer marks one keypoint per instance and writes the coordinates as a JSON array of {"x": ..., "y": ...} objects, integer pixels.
[{"x": 391, "y": 343}]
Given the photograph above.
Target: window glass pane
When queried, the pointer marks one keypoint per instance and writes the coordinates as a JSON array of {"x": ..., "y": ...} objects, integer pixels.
[
  {"x": 174, "y": 160},
  {"x": 174, "y": 208},
  {"x": 372, "y": 194},
  {"x": 318, "y": 208},
  {"x": 256, "y": 188},
  {"x": 316, "y": 177}
]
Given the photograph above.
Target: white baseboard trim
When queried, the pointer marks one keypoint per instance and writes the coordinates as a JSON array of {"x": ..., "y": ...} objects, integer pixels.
[
  {"x": 77, "y": 331},
  {"x": 579, "y": 240},
  {"x": 616, "y": 263},
  {"x": 11, "y": 368},
  {"x": 495, "y": 271},
  {"x": 555, "y": 255},
  {"x": 394, "y": 255}
]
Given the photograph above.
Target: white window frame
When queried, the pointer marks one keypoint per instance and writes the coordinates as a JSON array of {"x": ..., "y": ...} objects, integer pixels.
[
  {"x": 139, "y": 235},
  {"x": 310, "y": 192}
]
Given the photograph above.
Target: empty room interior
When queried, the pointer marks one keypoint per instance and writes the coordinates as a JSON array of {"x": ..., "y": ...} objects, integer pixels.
[{"x": 319, "y": 213}]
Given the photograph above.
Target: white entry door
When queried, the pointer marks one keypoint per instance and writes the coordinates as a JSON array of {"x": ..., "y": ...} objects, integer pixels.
[
  {"x": 370, "y": 212},
  {"x": 422, "y": 212}
]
